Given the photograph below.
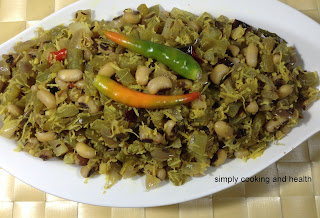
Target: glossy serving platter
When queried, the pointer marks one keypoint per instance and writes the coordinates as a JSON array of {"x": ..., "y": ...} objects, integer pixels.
[{"x": 65, "y": 181}]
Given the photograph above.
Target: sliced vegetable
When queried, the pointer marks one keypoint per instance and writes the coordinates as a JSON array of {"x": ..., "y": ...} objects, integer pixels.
[
  {"x": 266, "y": 33},
  {"x": 124, "y": 95},
  {"x": 256, "y": 95},
  {"x": 177, "y": 60}
]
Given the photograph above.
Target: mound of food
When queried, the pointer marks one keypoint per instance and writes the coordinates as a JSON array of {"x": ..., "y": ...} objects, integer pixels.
[{"x": 165, "y": 94}]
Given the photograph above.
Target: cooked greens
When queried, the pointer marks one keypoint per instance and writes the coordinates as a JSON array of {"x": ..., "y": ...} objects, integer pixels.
[{"x": 252, "y": 92}]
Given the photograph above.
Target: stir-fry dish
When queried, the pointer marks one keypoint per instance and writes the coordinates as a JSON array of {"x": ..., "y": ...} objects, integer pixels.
[{"x": 164, "y": 94}]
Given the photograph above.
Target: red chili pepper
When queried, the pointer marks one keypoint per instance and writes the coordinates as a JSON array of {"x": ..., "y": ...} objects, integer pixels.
[
  {"x": 71, "y": 85},
  {"x": 57, "y": 55},
  {"x": 124, "y": 95}
]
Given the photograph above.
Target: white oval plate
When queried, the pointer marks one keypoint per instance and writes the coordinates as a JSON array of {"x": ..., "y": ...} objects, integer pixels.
[{"x": 62, "y": 180}]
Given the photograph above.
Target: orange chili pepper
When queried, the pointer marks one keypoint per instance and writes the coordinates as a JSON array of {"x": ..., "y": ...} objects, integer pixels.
[{"x": 129, "y": 97}]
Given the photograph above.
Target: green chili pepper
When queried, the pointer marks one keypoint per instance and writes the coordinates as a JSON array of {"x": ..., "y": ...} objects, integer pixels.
[
  {"x": 177, "y": 60},
  {"x": 124, "y": 95}
]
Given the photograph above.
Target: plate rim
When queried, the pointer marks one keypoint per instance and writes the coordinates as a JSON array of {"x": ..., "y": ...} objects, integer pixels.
[{"x": 33, "y": 28}]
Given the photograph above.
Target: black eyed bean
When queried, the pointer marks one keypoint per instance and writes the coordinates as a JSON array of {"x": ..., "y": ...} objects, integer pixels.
[
  {"x": 218, "y": 73},
  {"x": 47, "y": 98},
  {"x": 85, "y": 150},
  {"x": 223, "y": 129},
  {"x": 159, "y": 83},
  {"x": 142, "y": 75},
  {"x": 252, "y": 55},
  {"x": 221, "y": 157},
  {"x": 70, "y": 75}
]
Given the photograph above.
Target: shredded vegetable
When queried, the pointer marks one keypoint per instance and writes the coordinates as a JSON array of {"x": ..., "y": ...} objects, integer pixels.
[{"x": 65, "y": 94}]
